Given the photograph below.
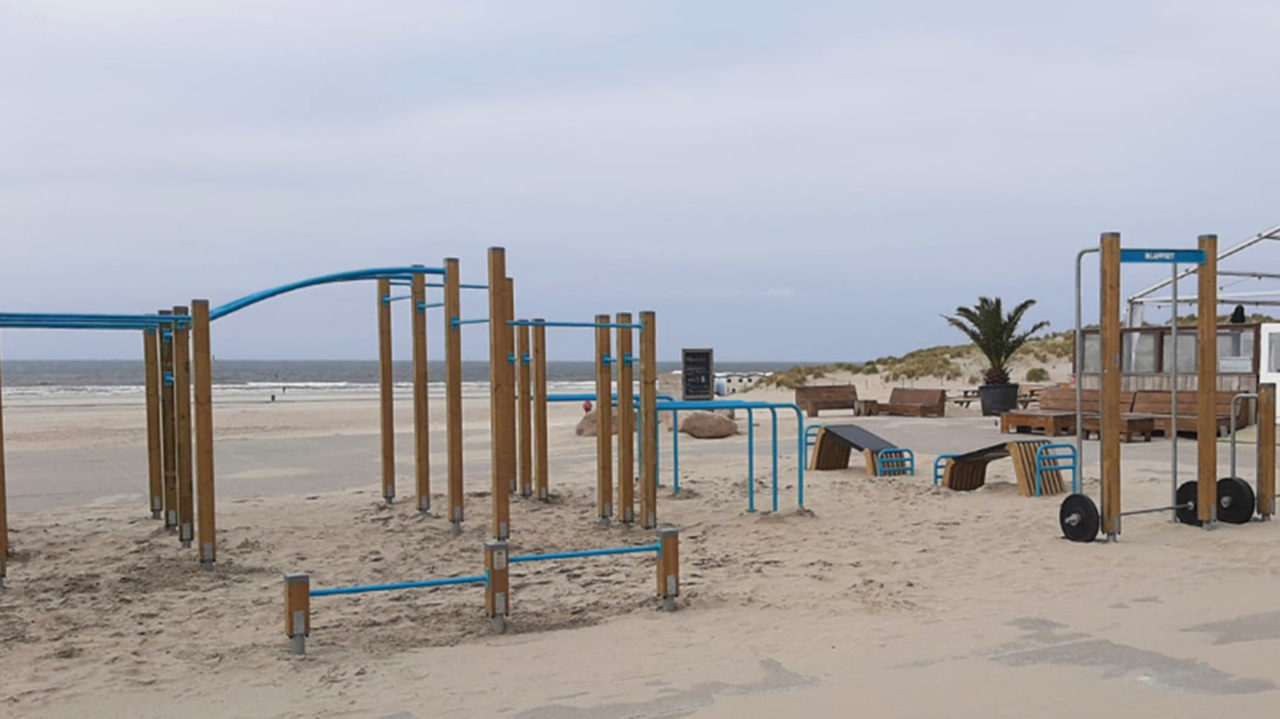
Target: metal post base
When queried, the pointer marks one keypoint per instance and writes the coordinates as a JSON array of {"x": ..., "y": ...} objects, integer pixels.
[
  {"x": 498, "y": 624},
  {"x": 156, "y": 514},
  {"x": 669, "y": 604},
  {"x": 457, "y": 526},
  {"x": 604, "y": 522},
  {"x": 298, "y": 644},
  {"x": 542, "y": 495}
]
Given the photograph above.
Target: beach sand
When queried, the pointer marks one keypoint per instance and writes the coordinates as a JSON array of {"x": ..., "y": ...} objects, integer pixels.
[{"x": 885, "y": 597}]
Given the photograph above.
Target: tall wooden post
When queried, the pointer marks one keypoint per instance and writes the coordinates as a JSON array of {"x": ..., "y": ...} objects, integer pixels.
[
  {"x": 540, "y": 410},
  {"x": 1109, "y": 437},
  {"x": 182, "y": 419},
  {"x": 604, "y": 422},
  {"x": 508, "y": 364},
  {"x": 1266, "y": 450},
  {"x": 648, "y": 420},
  {"x": 453, "y": 387},
  {"x": 421, "y": 408},
  {"x": 297, "y": 610},
  {"x": 669, "y": 567},
  {"x": 386, "y": 391},
  {"x": 168, "y": 425},
  {"x": 498, "y": 393},
  {"x": 626, "y": 423},
  {"x": 1207, "y": 383},
  {"x": 497, "y": 585},
  {"x": 525, "y": 395},
  {"x": 155, "y": 465},
  {"x": 202, "y": 374},
  {"x": 4, "y": 503}
]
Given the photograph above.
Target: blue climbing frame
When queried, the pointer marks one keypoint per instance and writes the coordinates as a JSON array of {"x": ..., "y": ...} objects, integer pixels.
[{"x": 1059, "y": 457}]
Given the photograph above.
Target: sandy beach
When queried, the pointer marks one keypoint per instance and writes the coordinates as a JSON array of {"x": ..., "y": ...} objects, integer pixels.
[{"x": 882, "y": 595}]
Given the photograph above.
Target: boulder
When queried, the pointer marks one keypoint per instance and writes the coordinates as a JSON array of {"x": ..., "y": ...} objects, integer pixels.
[
  {"x": 707, "y": 425},
  {"x": 587, "y": 425}
]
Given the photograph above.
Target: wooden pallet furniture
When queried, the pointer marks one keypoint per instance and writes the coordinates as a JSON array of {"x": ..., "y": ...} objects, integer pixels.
[
  {"x": 1133, "y": 427},
  {"x": 915, "y": 402},
  {"x": 967, "y": 472},
  {"x": 1056, "y": 415},
  {"x": 835, "y": 396}
]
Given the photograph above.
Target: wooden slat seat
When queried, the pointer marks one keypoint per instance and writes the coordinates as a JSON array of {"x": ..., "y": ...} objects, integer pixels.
[
  {"x": 837, "y": 396},
  {"x": 916, "y": 402}
]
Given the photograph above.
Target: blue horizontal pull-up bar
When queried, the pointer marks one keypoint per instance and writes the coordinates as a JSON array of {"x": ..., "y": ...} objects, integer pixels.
[
  {"x": 548, "y": 323},
  {"x": 592, "y": 397},
  {"x": 458, "y": 322},
  {"x": 376, "y": 273},
  {"x": 461, "y": 286},
  {"x": 586, "y": 553},
  {"x": 361, "y": 589},
  {"x": 7, "y": 317}
]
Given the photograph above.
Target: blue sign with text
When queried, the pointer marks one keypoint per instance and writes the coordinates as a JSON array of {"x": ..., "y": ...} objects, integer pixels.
[{"x": 1182, "y": 257}]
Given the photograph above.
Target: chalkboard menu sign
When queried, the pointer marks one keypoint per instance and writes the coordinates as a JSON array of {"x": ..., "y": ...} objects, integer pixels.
[{"x": 698, "y": 374}]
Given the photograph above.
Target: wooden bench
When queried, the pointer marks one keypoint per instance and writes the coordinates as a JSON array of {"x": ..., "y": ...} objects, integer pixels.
[
  {"x": 916, "y": 402},
  {"x": 835, "y": 396},
  {"x": 1159, "y": 405}
]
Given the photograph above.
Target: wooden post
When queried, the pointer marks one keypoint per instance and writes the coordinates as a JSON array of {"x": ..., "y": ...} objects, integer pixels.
[
  {"x": 540, "y": 410},
  {"x": 604, "y": 422},
  {"x": 498, "y": 393},
  {"x": 669, "y": 567},
  {"x": 297, "y": 610},
  {"x": 202, "y": 374},
  {"x": 626, "y": 424},
  {"x": 4, "y": 503},
  {"x": 1207, "y": 383},
  {"x": 155, "y": 465},
  {"x": 453, "y": 388},
  {"x": 648, "y": 420},
  {"x": 421, "y": 408},
  {"x": 525, "y": 359},
  {"x": 182, "y": 419},
  {"x": 497, "y": 586},
  {"x": 1266, "y": 450},
  {"x": 168, "y": 425},
  {"x": 386, "y": 387},
  {"x": 508, "y": 365},
  {"x": 1109, "y": 436}
]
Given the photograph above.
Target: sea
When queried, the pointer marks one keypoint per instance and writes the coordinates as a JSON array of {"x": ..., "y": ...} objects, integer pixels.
[{"x": 259, "y": 378}]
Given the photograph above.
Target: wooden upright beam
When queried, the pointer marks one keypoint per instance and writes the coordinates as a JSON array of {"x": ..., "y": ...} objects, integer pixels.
[
  {"x": 168, "y": 425},
  {"x": 648, "y": 420},
  {"x": 1207, "y": 383},
  {"x": 4, "y": 503},
  {"x": 508, "y": 365},
  {"x": 155, "y": 464},
  {"x": 1109, "y": 437},
  {"x": 525, "y": 402},
  {"x": 1266, "y": 450},
  {"x": 540, "y": 411},
  {"x": 626, "y": 424},
  {"x": 498, "y": 392},
  {"x": 182, "y": 420},
  {"x": 604, "y": 422},
  {"x": 386, "y": 393},
  {"x": 453, "y": 388},
  {"x": 421, "y": 407},
  {"x": 202, "y": 376}
]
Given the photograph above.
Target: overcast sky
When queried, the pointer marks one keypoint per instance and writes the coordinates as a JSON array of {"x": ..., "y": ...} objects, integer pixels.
[{"x": 778, "y": 180}]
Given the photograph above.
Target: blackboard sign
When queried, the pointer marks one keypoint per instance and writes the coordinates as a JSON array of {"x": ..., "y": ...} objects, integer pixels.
[{"x": 698, "y": 374}]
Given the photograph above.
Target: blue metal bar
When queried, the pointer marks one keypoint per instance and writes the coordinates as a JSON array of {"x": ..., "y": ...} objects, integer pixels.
[
  {"x": 456, "y": 322},
  {"x": 939, "y": 466},
  {"x": 422, "y": 306},
  {"x": 363, "y": 588},
  {"x": 546, "y": 323},
  {"x": 376, "y": 273},
  {"x": 774, "y": 412},
  {"x": 461, "y": 286},
  {"x": 74, "y": 326},
  {"x": 397, "y": 298},
  {"x": 1058, "y": 456},
  {"x": 751, "y": 460},
  {"x": 675, "y": 451},
  {"x": 563, "y": 397},
  {"x": 585, "y": 553},
  {"x": 895, "y": 461},
  {"x": 7, "y": 317}
]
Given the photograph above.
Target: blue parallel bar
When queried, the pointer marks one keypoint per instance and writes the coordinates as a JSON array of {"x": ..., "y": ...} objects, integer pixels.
[
  {"x": 461, "y": 286},
  {"x": 397, "y": 298},
  {"x": 675, "y": 451},
  {"x": 429, "y": 305},
  {"x": 548, "y": 323},
  {"x": 456, "y": 322},
  {"x": 592, "y": 397},
  {"x": 751, "y": 460},
  {"x": 361, "y": 589},
  {"x": 584, "y": 553},
  {"x": 774, "y": 412}
]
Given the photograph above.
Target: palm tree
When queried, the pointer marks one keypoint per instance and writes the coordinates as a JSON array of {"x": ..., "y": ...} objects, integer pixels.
[{"x": 995, "y": 333}]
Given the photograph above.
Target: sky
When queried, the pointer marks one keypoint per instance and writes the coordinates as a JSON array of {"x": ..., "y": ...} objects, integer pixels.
[{"x": 797, "y": 181}]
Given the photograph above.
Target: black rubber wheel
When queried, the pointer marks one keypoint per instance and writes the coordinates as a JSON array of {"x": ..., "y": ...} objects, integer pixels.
[
  {"x": 1078, "y": 518},
  {"x": 1235, "y": 500},
  {"x": 1186, "y": 497}
]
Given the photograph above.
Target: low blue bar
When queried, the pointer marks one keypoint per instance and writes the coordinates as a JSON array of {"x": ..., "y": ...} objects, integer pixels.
[
  {"x": 585, "y": 553},
  {"x": 548, "y": 323},
  {"x": 361, "y": 589}
]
